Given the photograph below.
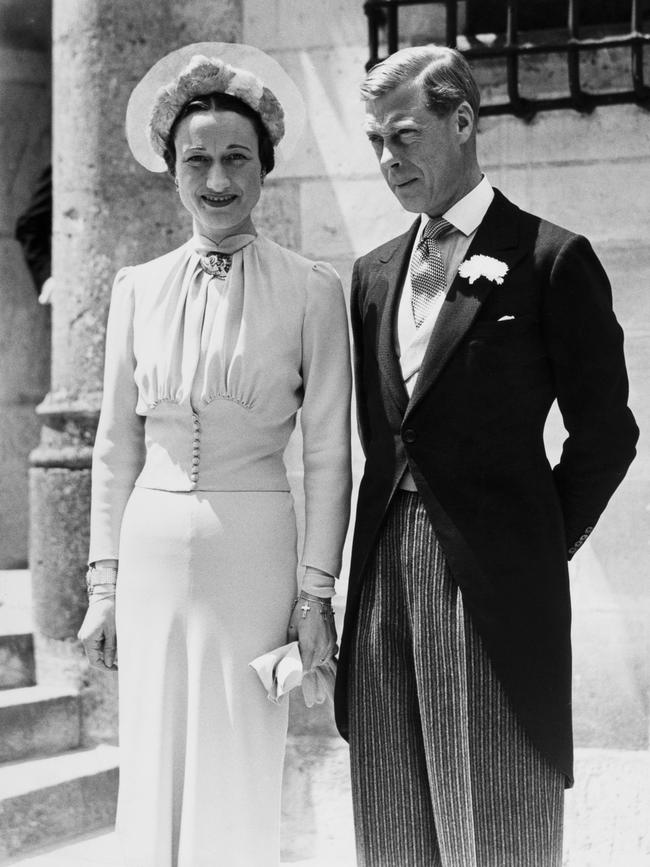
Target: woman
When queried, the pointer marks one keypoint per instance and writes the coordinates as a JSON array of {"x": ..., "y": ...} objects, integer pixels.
[{"x": 211, "y": 350}]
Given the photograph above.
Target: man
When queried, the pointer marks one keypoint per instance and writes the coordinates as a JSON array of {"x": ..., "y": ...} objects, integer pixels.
[
  {"x": 454, "y": 678},
  {"x": 34, "y": 230}
]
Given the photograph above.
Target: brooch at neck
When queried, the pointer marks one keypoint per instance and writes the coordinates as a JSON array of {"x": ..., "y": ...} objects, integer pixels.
[{"x": 216, "y": 264}]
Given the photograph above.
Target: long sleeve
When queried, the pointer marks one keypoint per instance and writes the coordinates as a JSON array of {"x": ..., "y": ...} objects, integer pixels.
[
  {"x": 119, "y": 445},
  {"x": 325, "y": 420},
  {"x": 586, "y": 348}
]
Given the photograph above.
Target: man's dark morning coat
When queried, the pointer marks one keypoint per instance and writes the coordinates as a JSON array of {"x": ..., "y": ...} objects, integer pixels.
[{"x": 472, "y": 436}]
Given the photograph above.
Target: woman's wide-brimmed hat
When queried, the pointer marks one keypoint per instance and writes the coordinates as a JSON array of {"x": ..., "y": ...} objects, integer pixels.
[{"x": 195, "y": 70}]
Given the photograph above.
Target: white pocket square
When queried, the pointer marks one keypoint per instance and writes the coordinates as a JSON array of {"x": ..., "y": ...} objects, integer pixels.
[{"x": 504, "y": 318}]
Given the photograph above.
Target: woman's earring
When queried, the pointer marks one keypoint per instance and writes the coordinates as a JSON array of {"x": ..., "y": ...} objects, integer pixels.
[
  {"x": 176, "y": 183},
  {"x": 262, "y": 176}
]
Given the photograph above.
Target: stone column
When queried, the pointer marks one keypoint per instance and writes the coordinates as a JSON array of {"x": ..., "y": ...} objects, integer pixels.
[{"x": 108, "y": 212}]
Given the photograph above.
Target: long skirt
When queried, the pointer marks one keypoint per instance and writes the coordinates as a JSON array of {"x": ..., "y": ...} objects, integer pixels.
[
  {"x": 443, "y": 773},
  {"x": 205, "y": 585}
]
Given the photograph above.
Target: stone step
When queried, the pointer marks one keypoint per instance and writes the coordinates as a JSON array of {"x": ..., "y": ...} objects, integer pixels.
[
  {"x": 17, "y": 667},
  {"x": 46, "y": 800},
  {"x": 38, "y": 720}
]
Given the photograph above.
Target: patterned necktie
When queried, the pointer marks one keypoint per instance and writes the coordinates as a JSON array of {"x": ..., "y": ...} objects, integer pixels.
[
  {"x": 216, "y": 264},
  {"x": 428, "y": 278}
]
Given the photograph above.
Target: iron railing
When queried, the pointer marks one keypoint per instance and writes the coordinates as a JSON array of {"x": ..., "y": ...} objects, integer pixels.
[{"x": 384, "y": 33}]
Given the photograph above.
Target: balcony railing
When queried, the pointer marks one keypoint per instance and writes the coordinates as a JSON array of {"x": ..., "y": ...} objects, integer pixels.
[{"x": 513, "y": 44}]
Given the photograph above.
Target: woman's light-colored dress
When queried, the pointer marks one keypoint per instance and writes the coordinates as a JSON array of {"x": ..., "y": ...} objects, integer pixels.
[{"x": 203, "y": 381}]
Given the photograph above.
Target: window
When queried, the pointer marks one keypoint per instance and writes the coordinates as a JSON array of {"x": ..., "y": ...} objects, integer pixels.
[{"x": 542, "y": 54}]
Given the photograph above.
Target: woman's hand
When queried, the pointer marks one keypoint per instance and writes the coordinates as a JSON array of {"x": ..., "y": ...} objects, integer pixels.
[
  {"x": 312, "y": 625},
  {"x": 97, "y": 633}
]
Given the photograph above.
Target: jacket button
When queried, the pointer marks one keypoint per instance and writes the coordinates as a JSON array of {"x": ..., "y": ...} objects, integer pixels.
[{"x": 409, "y": 435}]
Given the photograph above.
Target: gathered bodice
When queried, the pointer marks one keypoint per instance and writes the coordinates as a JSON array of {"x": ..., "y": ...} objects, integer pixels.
[
  {"x": 204, "y": 377},
  {"x": 198, "y": 338}
]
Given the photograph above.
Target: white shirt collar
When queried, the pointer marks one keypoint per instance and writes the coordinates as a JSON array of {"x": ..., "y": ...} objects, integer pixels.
[{"x": 466, "y": 215}]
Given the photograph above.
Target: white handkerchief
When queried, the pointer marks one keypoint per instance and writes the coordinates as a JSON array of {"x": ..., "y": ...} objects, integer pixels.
[
  {"x": 504, "y": 318},
  {"x": 280, "y": 671}
]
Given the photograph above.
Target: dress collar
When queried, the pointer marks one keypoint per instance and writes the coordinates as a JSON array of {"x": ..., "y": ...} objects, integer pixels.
[{"x": 201, "y": 244}]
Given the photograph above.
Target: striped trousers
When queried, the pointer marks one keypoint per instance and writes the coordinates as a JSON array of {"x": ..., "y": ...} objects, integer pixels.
[{"x": 443, "y": 774}]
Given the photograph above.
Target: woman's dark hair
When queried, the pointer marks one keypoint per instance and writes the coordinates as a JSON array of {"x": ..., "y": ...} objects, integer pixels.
[{"x": 221, "y": 102}]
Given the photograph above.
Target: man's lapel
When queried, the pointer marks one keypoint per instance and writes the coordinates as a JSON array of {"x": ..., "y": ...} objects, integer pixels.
[
  {"x": 392, "y": 262},
  {"x": 497, "y": 237}
]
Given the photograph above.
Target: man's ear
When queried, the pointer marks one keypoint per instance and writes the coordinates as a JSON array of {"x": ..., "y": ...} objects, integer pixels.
[{"x": 465, "y": 121}]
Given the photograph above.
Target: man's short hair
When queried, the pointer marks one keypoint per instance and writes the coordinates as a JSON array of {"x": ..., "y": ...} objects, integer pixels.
[{"x": 443, "y": 75}]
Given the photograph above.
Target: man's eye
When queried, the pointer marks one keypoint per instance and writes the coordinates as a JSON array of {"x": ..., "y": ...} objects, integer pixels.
[
  {"x": 236, "y": 157},
  {"x": 196, "y": 158}
]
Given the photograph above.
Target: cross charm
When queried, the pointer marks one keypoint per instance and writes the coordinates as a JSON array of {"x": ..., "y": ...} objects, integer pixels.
[{"x": 305, "y": 608}]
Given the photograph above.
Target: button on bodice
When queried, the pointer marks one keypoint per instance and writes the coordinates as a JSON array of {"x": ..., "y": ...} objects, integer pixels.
[{"x": 196, "y": 449}]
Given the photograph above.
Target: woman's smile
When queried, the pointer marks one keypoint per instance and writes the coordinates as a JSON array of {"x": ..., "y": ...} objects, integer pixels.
[{"x": 218, "y": 200}]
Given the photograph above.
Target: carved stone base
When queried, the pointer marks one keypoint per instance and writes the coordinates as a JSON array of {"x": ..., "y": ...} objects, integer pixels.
[{"x": 60, "y": 507}]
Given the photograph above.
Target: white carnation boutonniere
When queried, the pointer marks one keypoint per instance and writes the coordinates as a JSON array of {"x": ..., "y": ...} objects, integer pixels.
[{"x": 483, "y": 266}]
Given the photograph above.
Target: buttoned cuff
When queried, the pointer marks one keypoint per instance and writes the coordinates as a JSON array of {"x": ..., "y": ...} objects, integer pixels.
[{"x": 580, "y": 542}]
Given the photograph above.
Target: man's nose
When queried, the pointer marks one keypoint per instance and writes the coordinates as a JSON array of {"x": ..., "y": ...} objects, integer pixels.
[{"x": 388, "y": 159}]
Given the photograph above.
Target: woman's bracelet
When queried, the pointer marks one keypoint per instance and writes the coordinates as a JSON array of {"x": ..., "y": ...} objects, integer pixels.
[{"x": 326, "y": 610}]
